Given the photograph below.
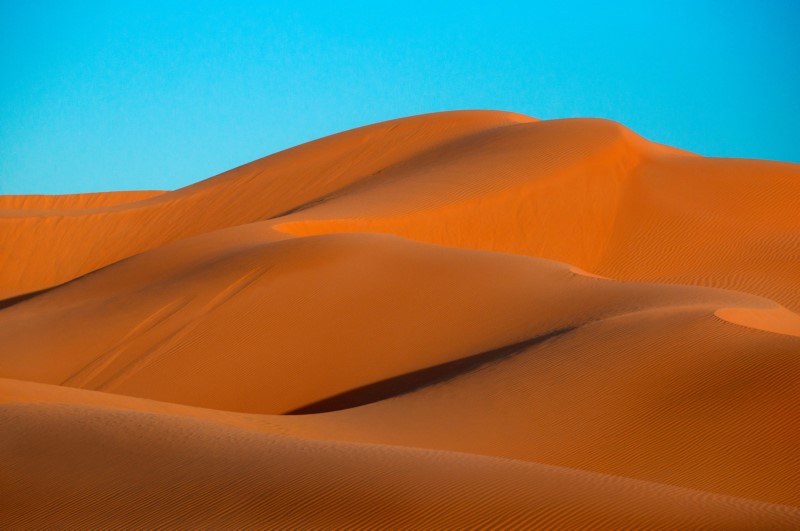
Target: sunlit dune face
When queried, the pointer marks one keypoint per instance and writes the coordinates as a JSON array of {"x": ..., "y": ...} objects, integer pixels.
[{"x": 774, "y": 320}]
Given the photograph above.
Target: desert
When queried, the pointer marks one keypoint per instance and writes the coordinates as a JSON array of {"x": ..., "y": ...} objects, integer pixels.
[{"x": 453, "y": 320}]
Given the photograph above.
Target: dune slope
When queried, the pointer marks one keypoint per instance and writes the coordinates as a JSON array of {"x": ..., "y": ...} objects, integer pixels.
[{"x": 454, "y": 320}]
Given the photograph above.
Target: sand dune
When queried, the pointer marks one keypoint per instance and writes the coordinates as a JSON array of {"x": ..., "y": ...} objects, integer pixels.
[{"x": 453, "y": 320}]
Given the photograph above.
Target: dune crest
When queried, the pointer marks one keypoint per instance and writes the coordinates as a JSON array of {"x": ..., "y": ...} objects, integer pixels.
[
  {"x": 464, "y": 319},
  {"x": 775, "y": 320}
]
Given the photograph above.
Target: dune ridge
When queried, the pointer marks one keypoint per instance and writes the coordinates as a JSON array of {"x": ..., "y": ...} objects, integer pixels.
[{"x": 463, "y": 319}]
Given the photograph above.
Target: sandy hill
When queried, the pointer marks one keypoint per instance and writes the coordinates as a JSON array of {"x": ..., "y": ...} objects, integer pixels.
[{"x": 462, "y": 319}]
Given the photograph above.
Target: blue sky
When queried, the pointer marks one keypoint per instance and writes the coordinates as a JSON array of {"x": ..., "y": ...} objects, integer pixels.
[{"x": 159, "y": 94}]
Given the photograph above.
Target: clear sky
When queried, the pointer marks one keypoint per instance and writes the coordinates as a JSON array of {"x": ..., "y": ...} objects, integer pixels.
[{"x": 117, "y": 95}]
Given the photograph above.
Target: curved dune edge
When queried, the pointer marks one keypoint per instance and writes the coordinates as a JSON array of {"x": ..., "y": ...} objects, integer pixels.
[
  {"x": 583, "y": 273},
  {"x": 776, "y": 320}
]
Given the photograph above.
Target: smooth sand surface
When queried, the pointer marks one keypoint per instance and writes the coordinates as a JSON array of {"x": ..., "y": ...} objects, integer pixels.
[{"x": 466, "y": 319}]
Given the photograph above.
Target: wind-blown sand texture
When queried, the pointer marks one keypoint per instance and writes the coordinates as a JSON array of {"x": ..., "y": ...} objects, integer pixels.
[{"x": 464, "y": 319}]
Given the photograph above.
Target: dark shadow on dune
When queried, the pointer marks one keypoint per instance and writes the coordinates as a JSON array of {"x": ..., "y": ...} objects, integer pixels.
[
  {"x": 303, "y": 206},
  {"x": 11, "y": 301},
  {"x": 412, "y": 381}
]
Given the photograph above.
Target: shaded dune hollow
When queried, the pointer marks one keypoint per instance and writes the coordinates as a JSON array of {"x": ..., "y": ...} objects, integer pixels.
[{"x": 457, "y": 320}]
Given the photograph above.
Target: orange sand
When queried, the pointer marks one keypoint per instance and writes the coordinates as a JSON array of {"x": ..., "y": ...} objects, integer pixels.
[{"x": 455, "y": 320}]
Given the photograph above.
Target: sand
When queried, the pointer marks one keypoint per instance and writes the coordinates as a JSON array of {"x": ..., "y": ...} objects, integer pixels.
[{"x": 463, "y": 319}]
